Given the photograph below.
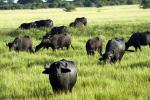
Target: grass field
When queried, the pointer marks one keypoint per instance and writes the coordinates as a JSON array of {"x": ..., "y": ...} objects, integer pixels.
[{"x": 21, "y": 73}]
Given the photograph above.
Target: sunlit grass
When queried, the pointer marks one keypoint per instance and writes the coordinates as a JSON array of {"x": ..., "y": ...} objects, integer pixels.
[{"x": 21, "y": 73}]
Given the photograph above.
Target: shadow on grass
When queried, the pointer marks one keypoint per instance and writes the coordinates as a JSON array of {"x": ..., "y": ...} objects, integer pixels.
[{"x": 140, "y": 64}]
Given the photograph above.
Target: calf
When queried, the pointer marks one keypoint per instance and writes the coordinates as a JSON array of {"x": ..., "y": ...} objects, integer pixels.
[
  {"x": 93, "y": 45},
  {"x": 81, "y": 20}
]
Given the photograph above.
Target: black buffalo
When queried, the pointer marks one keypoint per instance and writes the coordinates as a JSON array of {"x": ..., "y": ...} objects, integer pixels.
[
  {"x": 115, "y": 50},
  {"x": 138, "y": 39},
  {"x": 55, "y": 42},
  {"x": 44, "y": 23},
  {"x": 81, "y": 20},
  {"x": 21, "y": 44},
  {"x": 58, "y": 30},
  {"x": 62, "y": 75},
  {"x": 76, "y": 24},
  {"x": 93, "y": 45},
  {"x": 27, "y": 25}
]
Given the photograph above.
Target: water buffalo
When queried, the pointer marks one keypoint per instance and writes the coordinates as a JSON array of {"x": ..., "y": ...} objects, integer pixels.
[
  {"x": 21, "y": 44},
  {"x": 59, "y": 30},
  {"x": 82, "y": 20},
  {"x": 72, "y": 24},
  {"x": 55, "y": 42},
  {"x": 138, "y": 39},
  {"x": 76, "y": 24},
  {"x": 62, "y": 75},
  {"x": 44, "y": 23},
  {"x": 93, "y": 45},
  {"x": 27, "y": 25},
  {"x": 115, "y": 50}
]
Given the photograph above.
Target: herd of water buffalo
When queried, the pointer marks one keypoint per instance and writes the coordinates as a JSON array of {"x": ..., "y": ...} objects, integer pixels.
[{"x": 63, "y": 73}]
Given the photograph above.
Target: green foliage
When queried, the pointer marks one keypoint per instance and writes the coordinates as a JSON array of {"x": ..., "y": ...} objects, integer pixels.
[
  {"x": 105, "y": 2},
  {"x": 22, "y": 78},
  {"x": 35, "y": 4},
  {"x": 69, "y": 7},
  {"x": 145, "y": 4},
  {"x": 29, "y": 1},
  {"x": 21, "y": 73},
  {"x": 5, "y": 6}
]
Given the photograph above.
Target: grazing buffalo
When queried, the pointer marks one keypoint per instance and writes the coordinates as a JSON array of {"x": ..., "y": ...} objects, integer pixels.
[
  {"x": 28, "y": 25},
  {"x": 72, "y": 24},
  {"x": 62, "y": 75},
  {"x": 59, "y": 30},
  {"x": 115, "y": 50},
  {"x": 75, "y": 24},
  {"x": 44, "y": 23},
  {"x": 138, "y": 39},
  {"x": 21, "y": 44},
  {"x": 55, "y": 42},
  {"x": 81, "y": 20},
  {"x": 93, "y": 45}
]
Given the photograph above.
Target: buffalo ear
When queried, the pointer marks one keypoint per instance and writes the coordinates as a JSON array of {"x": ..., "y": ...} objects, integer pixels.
[
  {"x": 65, "y": 70},
  {"x": 46, "y": 71}
]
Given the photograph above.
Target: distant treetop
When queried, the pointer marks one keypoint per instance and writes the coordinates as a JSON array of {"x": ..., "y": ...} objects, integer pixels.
[{"x": 29, "y": 1}]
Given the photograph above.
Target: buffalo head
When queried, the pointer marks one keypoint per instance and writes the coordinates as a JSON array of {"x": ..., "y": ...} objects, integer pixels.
[{"x": 56, "y": 68}]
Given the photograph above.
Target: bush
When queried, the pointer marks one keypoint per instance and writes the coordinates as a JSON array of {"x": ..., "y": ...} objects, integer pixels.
[
  {"x": 69, "y": 7},
  {"x": 145, "y": 4},
  {"x": 6, "y": 6}
]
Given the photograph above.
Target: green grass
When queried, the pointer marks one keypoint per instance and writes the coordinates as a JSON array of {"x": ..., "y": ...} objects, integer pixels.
[{"x": 21, "y": 73}]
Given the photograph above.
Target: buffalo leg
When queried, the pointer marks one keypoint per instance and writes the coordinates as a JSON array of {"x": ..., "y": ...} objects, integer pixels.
[
  {"x": 70, "y": 90},
  {"x": 53, "y": 48},
  {"x": 135, "y": 48},
  {"x": 67, "y": 47},
  {"x": 139, "y": 48},
  {"x": 100, "y": 51},
  {"x": 31, "y": 50},
  {"x": 93, "y": 52},
  {"x": 88, "y": 53}
]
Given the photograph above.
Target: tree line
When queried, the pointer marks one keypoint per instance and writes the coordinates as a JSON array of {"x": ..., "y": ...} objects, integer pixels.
[{"x": 35, "y": 4}]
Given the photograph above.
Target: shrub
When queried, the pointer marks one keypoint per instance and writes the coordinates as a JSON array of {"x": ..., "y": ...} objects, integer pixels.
[
  {"x": 145, "y": 4},
  {"x": 69, "y": 7}
]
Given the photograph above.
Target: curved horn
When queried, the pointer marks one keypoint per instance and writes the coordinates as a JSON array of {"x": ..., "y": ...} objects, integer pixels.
[{"x": 46, "y": 66}]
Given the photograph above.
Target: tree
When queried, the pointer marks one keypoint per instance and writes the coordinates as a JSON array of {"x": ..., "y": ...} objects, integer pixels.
[
  {"x": 29, "y": 1},
  {"x": 54, "y": 3},
  {"x": 129, "y": 2},
  {"x": 69, "y": 7},
  {"x": 11, "y": 1},
  {"x": 2, "y": 0},
  {"x": 145, "y": 4}
]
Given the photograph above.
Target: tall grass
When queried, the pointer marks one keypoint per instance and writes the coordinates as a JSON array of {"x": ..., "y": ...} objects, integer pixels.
[{"x": 21, "y": 73}]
